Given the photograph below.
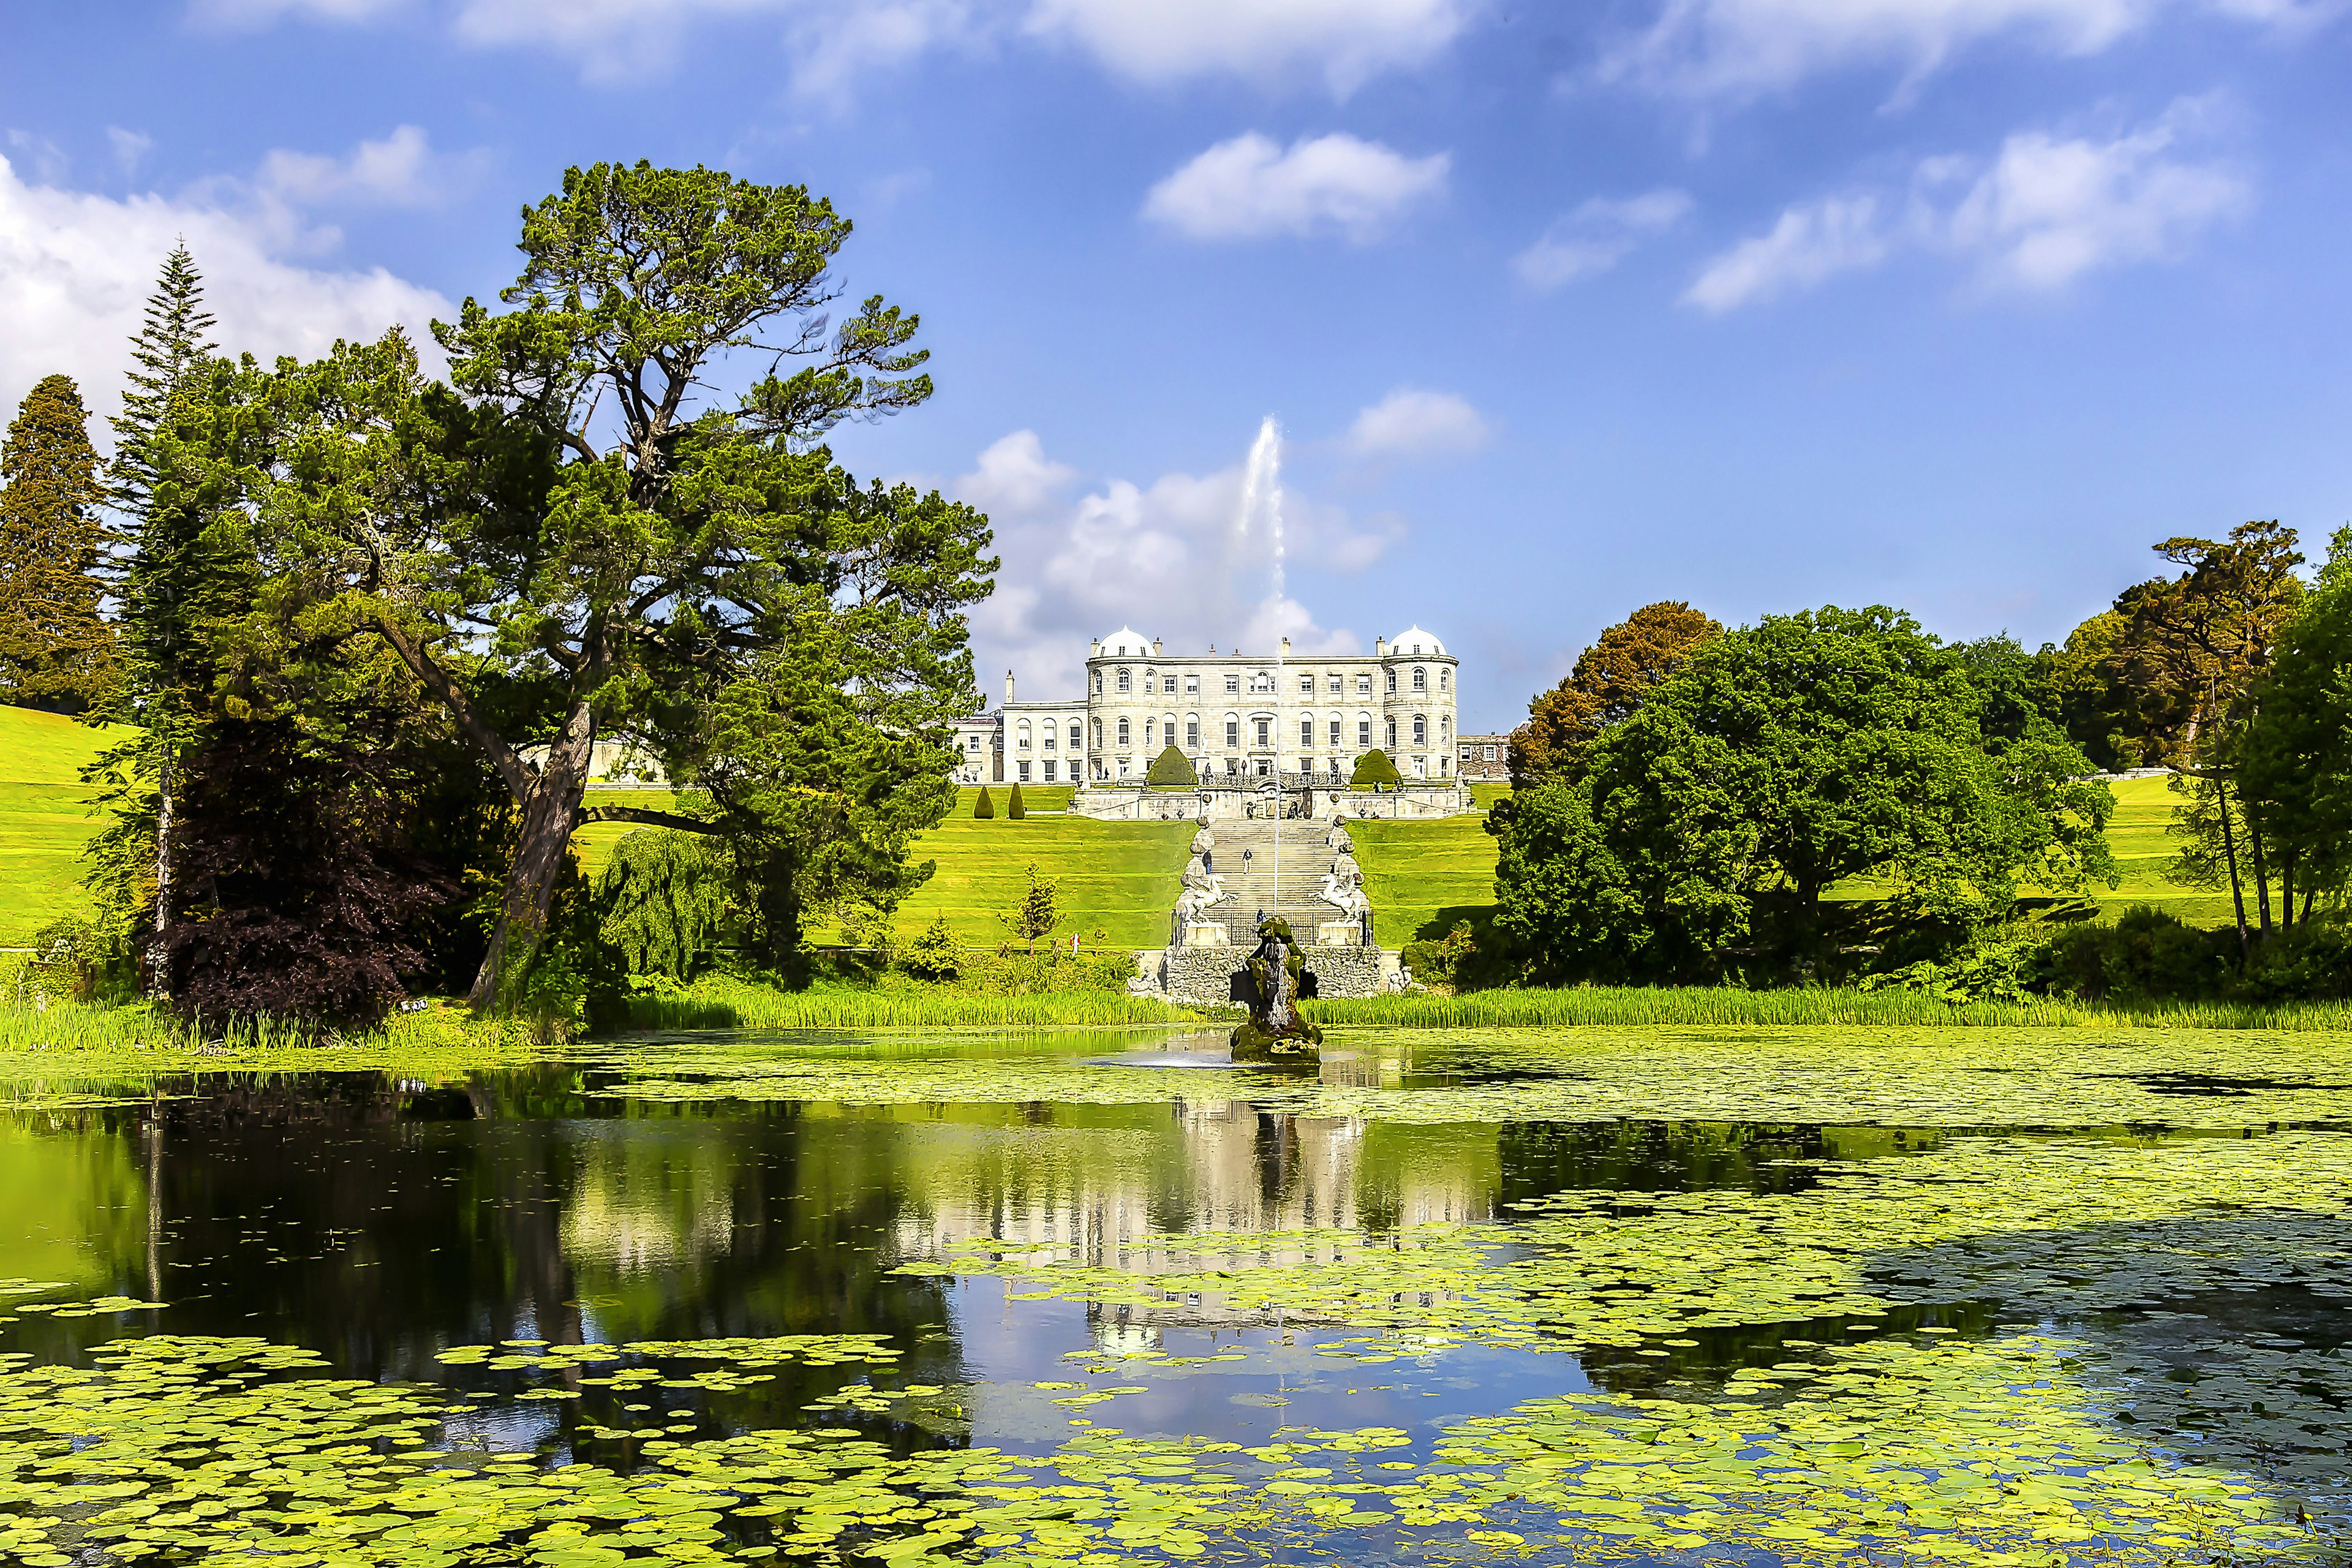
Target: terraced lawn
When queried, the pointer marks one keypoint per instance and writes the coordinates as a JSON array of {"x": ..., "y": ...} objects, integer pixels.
[{"x": 45, "y": 817}]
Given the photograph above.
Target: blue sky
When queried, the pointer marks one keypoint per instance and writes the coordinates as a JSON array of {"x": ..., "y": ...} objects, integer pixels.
[{"x": 1957, "y": 305}]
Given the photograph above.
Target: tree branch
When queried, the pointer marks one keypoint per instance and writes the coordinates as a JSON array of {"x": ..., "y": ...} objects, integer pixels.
[
  {"x": 650, "y": 818},
  {"x": 511, "y": 768}
]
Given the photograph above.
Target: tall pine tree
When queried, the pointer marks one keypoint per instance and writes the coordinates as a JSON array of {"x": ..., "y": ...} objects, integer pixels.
[
  {"x": 55, "y": 650},
  {"x": 157, "y": 566}
]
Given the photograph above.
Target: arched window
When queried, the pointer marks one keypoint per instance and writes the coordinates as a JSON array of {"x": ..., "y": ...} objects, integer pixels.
[
  {"x": 1420, "y": 728},
  {"x": 1335, "y": 733},
  {"x": 1098, "y": 732},
  {"x": 1262, "y": 681},
  {"x": 1233, "y": 732},
  {"x": 1122, "y": 731},
  {"x": 1053, "y": 733},
  {"x": 1098, "y": 683},
  {"x": 1148, "y": 726},
  {"x": 1444, "y": 681},
  {"x": 1151, "y": 682},
  {"x": 1168, "y": 722},
  {"x": 1075, "y": 741},
  {"x": 1306, "y": 731},
  {"x": 1444, "y": 727},
  {"x": 1364, "y": 730},
  {"x": 1420, "y": 679},
  {"x": 1392, "y": 746},
  {"x": 1123, "y": 682},
  {"x": 1391, "y": 674},
  {"x": 1025, "y": 734},
  {"x": 1191, "y": 731}
]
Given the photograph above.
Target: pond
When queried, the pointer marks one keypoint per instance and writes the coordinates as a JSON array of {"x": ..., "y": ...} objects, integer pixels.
[{"x": 1647, "y": 1296}]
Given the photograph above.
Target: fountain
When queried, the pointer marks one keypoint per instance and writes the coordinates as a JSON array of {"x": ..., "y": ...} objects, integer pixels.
[{"x": 1278, "y": 981}]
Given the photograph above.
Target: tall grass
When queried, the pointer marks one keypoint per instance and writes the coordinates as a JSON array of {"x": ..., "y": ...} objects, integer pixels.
[
  {"x": 1573, "y": 1005},
  {"x": 720, "y": 1004}
]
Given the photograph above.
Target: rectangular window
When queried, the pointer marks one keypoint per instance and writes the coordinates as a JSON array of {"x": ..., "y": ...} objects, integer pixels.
[
  {"x": 1150, "y": 683},
  {"x": 1232, "y": 683},
  {"x": 1191, "y": 735},
  {"x": 1307, "y": 686},
  {"x": 1420, "y": 730},
  {"x": 1024, "y": 772},
  {"x": 1490, "y": 753},
  {"x": 1335, "y": 732},
  {"x": 1337, "y": 682},
  {"x": 1049, "y": 770},
  {"x": 1391, "y": 681},
  {"x": 1233, "y": 766},
  {"x": 1122, "y": 767},
  {"x": 1074, "y": 734},
  {"x": 1192, "y": 685},
  {"x": 1364, "y": 734},
  {"x": 1051, "y": 731},
  {"x": 1306, "y": 734},
  {"x": 1363, "y": 685},
  {"x": 1233, "y": 732},
  {"x": 1391, "y": 735},
  {"x": 1263, "y": 726},
  {"x": 1123, "y": 681}
]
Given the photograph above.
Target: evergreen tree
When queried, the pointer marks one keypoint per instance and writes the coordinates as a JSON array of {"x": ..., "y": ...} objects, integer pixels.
[
  {"x": 157, "y": 567},
  {"x": 1015, "y": 808},
  {"x": 983, "y": 808},
  {"x": 55, "y": 650}
]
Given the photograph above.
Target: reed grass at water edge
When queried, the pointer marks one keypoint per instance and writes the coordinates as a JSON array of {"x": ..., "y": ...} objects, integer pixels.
[{"x": 1570, "y": 1006}]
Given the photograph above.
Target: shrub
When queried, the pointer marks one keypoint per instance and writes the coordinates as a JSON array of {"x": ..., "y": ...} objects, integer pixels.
[
  {"x": 869, "y": 925},
  {"x": 2147, "y": 955},
  {"x": 935, "y": 954},
  {"x": 983, "y": 808},
  {"x": 1445, "y": 961},
  {"x": 662, "y": 899},
  {"x": 1374, "y": 768},
  {"x": 1015, "y": 808},
  {"x": 1171, "y": 769},
  {"x": 2307, "y": 962}
]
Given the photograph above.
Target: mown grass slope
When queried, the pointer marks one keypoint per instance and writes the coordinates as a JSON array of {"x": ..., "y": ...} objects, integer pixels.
[{"x": 45, "y": 817}]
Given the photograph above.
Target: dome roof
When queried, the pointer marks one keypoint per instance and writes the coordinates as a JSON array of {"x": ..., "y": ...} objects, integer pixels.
[
  {"x": 1413, "y": 641},
  {"x": 1126, "y": 643}
]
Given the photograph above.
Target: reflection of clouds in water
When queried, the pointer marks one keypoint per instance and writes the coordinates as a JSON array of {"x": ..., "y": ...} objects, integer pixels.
[{"x": 504, "y": 1428}]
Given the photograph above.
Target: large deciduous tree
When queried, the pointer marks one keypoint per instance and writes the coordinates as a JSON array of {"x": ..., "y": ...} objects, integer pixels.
[
  {"x": 579, "y": 538},
  {"x": 1776, "y": 761},
  {"x": 2294, "y": 763},
  {"x": 1611, "y": 680},
  {"x": 56, "y": 650}
]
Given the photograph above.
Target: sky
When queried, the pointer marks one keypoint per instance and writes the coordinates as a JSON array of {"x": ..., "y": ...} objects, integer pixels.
[{"x": 1954, "y": 305}]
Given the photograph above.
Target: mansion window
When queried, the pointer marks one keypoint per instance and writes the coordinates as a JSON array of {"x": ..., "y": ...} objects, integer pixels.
[
  {"x": 1191, "y": 735},
  {"x": 1049, "y": 770},
  {"x": 1053, "y": 730},
  {"x": 1232, "y": 683},
  {"x": 1122, "y": 731},
  {"x": 1335, "y": 732},
  {"x": 1263, "y": 681},
  {"x": 1074, "y": 735},
  {"x": 1363, "y": 686},
  {"x": 1098, "y": 683},
  {"x": 1233, "y": 732},
  {"x": 1391, "y": 735},
  {"x": 1192, "y": 685},
  {"x": 1337, "y": 682},
  {"x": 1306, "y": 734},
  {"x": 1364, "y": 734},
  {"x": 1024, "y": 772},
  {"x": 1445, "y": 679},
  {"x": 1307, "y": 686},
  {"x": 1392, "y": 680},
  {"x": 1420, "y": 730},
  {"x": 1490, "y": 752},
  {"x": 1025, "y": 734},
  {"x": 1098, "y": 732},
  {"x": 1420, "y": 679},
  {"x": 1147, "y": 727},
  {"x": 1123, "y": 682},
  {"x": 1264, "y": 726}
]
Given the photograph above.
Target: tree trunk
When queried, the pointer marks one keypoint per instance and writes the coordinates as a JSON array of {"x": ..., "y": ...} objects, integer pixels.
[
  {"x": 549, "y": 813},
  {"x": 2262, "y": 872},
  {"x": 2237, "y": 889},
  {"x": 155, "y": 955},
  {"x": 2286, "y": 893}
]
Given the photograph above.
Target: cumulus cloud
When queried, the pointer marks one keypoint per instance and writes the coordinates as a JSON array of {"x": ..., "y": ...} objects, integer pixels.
[
  {"x": 400, "y": 171},
  {"x": 130, "y": 147},
  {"x": 1412, "y": 423},
  {"x": 75, "y": 269},
  {"x": 2039, "y": 213},
  {"x": 1743, "y": 47},
  {"x": 1596, "y": 237},
  {"x": 1164, "y": 556},
  {"x": 1344, "y": 42},
  {"x": 1251, "y": 188}
]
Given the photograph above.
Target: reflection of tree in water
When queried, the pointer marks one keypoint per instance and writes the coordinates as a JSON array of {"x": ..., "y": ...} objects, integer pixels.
[{"x": 1545, "y": 1157}]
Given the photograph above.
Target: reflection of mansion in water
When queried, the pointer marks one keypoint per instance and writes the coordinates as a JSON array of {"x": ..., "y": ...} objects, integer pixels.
[
  {"x": 1269, "y": 1179},
  {"x": 1234, "y": 715}
]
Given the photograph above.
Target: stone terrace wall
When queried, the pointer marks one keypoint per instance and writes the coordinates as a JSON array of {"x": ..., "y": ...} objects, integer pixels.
[{"x": 1203, "y": 975}]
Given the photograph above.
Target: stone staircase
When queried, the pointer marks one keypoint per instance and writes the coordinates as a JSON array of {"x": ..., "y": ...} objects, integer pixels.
[{"x": 1254, "y": 885}]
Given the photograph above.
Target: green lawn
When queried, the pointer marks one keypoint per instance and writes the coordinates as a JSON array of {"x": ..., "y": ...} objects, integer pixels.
[
  {"x": 1422, "y": 877},
  {"x": 44, "y": 818}
]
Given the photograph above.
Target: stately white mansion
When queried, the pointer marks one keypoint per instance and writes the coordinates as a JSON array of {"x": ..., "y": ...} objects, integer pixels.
[{"x": 1234, "y": 714}]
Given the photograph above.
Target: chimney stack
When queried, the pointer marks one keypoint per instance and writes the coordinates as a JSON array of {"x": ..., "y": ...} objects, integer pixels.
[
  {"x": 1286, "y": 648},
  {"x": 1155, "y": 647},
  {"x": 1379, "y": 648},
  {"x": 1008, "y": 686}
]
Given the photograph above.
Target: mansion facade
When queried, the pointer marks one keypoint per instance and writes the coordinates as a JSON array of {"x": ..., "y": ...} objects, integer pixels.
[{"x": 1234, "y": 715}]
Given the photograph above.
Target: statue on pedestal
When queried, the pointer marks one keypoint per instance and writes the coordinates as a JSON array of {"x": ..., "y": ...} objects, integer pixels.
[
  {"x": 1275, "y": 1031},
  {"x": 1201, "y": 890}
]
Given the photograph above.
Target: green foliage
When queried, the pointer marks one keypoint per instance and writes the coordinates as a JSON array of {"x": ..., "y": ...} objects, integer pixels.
[
  {"x": 1446, "y": 960},
  {"x": 1034, "y": 916},
  {"x": 1171, "y": 769},
  {"x": 871, "y": 926},
  {"x": 55, "y": 650},
  {"x": 935, "y": 954},
  {"x": 2145, "y": 956},
  {"x": 2294, "y": 763},
  {"x": 1015, "y": 808},
  {"x": 663, "y": 902},
  {"x": 570, "y": 542},
  {"x": 1776, "y": 761},
  {"x": 1374, "y": 768},
  {"x": 984, "y": 808}
]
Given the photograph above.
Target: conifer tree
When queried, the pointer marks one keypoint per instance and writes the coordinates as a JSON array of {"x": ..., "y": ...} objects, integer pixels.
[
  {"x": 156, "y": 564},
  {"x": 55, "y": 649}
]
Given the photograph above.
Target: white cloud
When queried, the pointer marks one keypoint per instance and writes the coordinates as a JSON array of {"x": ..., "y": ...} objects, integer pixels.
[
  {"x": 1810, "y": 244},
  {"x": 2048, "y": 211},
  {"x": 260, "y": 13},
  {"x": 130, "y": 147},
  {"x": 76, "y": 269},
  {"x": 1596, "y": 237},
  {"x": 1250, "y": 188},
  {"x": 2044, "y": 211},
  {"x": 400, "y": 171},
  {"x": 1742, "y": 48},
  {"x": 1164, "y": 557},
  {"x": 1414, "y": 423},
  {"x": 1345, "y": 42}
]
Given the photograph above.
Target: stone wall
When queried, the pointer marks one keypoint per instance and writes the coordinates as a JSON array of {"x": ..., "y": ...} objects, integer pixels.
[
  {"x": 1413, "y": 802},
  {"x": 1203, "y": 976}
]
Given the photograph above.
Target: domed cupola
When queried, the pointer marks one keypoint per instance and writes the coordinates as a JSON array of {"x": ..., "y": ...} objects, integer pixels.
[
  {"x": 1414, "y": 643},
  {"x": 1124, "y": 643}
]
